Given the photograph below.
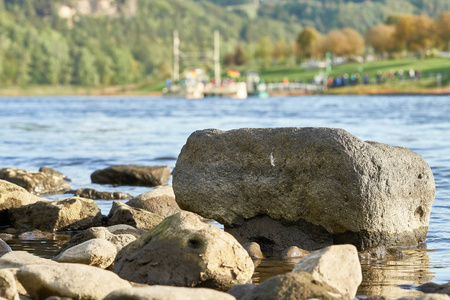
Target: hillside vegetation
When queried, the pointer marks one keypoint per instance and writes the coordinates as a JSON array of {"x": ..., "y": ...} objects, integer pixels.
[{"x": 37, "y": 47}]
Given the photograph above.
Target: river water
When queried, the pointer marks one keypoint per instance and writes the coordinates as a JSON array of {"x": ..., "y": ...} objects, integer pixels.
[{"x": 78, "y": 135}]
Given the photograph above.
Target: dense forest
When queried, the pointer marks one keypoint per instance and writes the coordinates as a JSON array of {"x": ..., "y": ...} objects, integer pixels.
[{"x": 37, "y": 46}]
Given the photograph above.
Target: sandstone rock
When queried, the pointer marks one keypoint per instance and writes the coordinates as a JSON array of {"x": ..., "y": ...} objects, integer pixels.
[
  {"x": 93, "y": 194},
  {"x": 183, "y": 251},
  {"x": 96, "y": 252},
  {"x": 160, "y": 200},
  {"x": 118, "y": 235},
  {"x": 69, "y": 280},
  {"x": 60, "y": 215},
  {"x": 4, "y": 247},
  {"x": 11, "y": 196},
  {"x": 434, "y": 297},
  {"x": 338, "y": 266},
  {"x": 53, "y": 173},
  {"x": 19, "y": 259},
  {"x": 294, "y": 252},
  {"x": 319, "y": 180},
  {"x": 8, "y": 287},
  {"x": 35, "y": 182},
  {"x": 292, "y": 286},
  {"x": 157, "y": 292},
  {"x": 132, "y": 175},
  {"x": 121, "y": 213},
  {"x": 253, "y": 250}
]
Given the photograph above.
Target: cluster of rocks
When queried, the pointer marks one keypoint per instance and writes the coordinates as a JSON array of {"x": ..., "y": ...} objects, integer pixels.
[{"x": 319, "y": 194}]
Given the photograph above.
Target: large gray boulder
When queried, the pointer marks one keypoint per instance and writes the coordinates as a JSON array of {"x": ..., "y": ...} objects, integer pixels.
[
  {"x": 183, "y": 251},
  {"x": 35, "y": 182},
  {"x": 132, "y": 175},
  {"x": 158, "y": 292},
  {"x": 325, "y": 185},
  {"x": 4, "y": 247},
  {"x": 160, "y": 200},
  {"x": 121, "y": 213},
  {"x": 59, "y": 215}
]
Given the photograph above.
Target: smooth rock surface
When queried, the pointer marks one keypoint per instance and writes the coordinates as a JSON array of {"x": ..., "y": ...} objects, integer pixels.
[
  {"x": 19, "y": 259},
  {"x": 96, "y": 252},
  {"x": 59, "y": 215},
  {"x": 118, "y": 235},
  {"x": 292, "y": 286},
  {"x": 254, "y": 250},
  {"x": 132, "y": 175},
  {"x": 121, "y": 213},
  {"x": 158, "y": 292},
  {"x": 338, "y": 266},
  {"x": 293, "y": 252},
  {"x": 35, "y": 182},
  {"x": 316, "y": 179},
  {"x": 183, "y": 251},
  {"x": 160, "y": 200},
  {"x": 53, "y": 172},
  {"x": 69, "y": 280}
]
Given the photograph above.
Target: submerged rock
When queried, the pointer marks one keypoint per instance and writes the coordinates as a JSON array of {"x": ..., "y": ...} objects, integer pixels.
[
  {"x": 160, "y": 200},
  {"x": 35, "y": 182},
  {"x": 121, "y": 213},
  {"x": 94, "y": 195},
  {"x": 183, "y": 251},
  {"x": 60, "y": 215},
  {"x": 132, "y": 175},
  {"x": 318, "y": 185}
]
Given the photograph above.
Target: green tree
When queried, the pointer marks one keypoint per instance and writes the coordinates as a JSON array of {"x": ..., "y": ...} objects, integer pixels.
[
  {"x": 86, "y": 73},
  {"x": 306, "y": 42},
  {"x": 264, "y": 52}
]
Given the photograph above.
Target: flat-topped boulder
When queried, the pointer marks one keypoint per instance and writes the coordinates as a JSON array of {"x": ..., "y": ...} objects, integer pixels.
[
  {"x": 323, "y": 185},
  {"x": 60, "y": 215},
  {"x": 184, "y": 251},
  {"x": 36, "y": 182},
  {"x": 121, "y": 213},
  {"x": 132, "y": 175},
  {"x": 160, "y": 200}
]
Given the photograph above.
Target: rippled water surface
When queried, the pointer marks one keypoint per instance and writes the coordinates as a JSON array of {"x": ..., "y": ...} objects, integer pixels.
[{"x": 78, "y": 135}]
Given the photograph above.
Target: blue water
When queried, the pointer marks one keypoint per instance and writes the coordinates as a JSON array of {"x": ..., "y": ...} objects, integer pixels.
[{"x": 78, "y": 135}]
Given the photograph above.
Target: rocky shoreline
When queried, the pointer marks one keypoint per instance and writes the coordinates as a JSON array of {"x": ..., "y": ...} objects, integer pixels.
[{"x": 318, "y": 196}]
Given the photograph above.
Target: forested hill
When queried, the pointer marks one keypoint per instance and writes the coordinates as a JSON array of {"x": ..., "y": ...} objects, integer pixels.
[{"x": 38, "y": 46}]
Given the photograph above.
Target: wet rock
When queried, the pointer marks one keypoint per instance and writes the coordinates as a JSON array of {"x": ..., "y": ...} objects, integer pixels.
[
  {"x": 96, "y": 252},
  {"x": 60, "y": 215},
  {"x": 132, "y": 175},
  {"x": 435, "y": 288},
  {"x": 240, "y": 290},
  {"x": 338, "y": 266},
  {"x": 19, "y": 259},
  {"x": 36, "y": 235},
  {"x": 69, "y": 280},
  {"x": 53, "y": 173},
  {"x": 292, "y": 286},
  {"x": 118, "y": 235},
  {"x": 4, "y": 247},
  {"x": 121, "y": 213},
  {"x": 183, "y": 251},
  {"x": 294, "y": 252},
  {"x": 381, "y": 253},
  {"x": 35, "y": 182},
  {"x": 168, "y": 292},
  {"x": 6, "y": 236},
  {"x": 160, "y": 200},
  {"x": 325, "y": 184},
  {"x": 253, "y": 250},
  {"x": 8, "y": 287},
  {"x": 93, "y": 194}
]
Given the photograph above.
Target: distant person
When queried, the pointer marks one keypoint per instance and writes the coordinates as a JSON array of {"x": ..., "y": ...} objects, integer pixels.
[
  {"x": 366, "y": 78},
  {"x": 168, "y": 82}
]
